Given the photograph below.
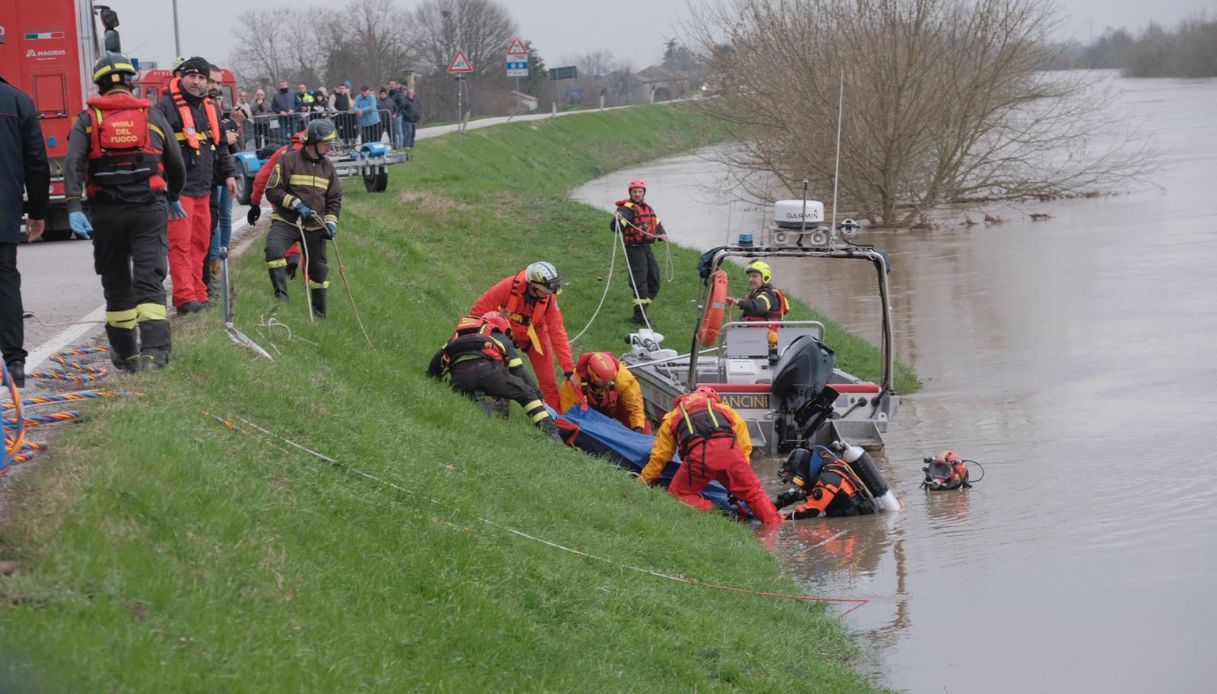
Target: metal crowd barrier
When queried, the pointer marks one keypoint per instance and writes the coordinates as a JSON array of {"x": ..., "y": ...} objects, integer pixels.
[{"x": 271, "y": 131}]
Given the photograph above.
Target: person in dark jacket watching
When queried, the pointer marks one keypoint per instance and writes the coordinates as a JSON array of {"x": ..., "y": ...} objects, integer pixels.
[
  {"x": 121, "y": 151},
  {"x": 284, "y": 103},
  {"x": 411, "y": 113},
  {"x": 196, "y": 125},
  {"x": 26, "y": 174}
]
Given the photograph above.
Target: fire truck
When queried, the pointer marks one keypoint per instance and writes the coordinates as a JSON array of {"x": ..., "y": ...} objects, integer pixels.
[{"x": 47, "y": 50}]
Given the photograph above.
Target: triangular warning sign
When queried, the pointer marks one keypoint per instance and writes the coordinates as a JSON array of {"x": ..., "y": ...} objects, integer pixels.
[
  {"x": 517, "y": 47},
  {"x": 460, "y": 63}
]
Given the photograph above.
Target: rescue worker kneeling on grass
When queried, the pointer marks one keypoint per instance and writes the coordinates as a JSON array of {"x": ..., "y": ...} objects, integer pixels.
[
  {"x": 606, "y": 386},
  {"x": 303, "y": 187},
  {"x": 479, "y": 359},
  {"x": 821, "y": 489},
  {"x": 764, "y": 303},
  {"x": 714, "y": 446},
  {"x": 530, "y": 301},
  {"x": 122, "y": 153}
]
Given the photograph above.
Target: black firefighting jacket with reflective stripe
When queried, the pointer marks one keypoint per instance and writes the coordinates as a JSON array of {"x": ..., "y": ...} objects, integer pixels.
[{"x": 298, "y": 176}]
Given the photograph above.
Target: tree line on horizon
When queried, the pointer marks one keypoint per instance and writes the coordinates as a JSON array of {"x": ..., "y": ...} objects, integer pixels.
[{"x": 1189, "y": 50}]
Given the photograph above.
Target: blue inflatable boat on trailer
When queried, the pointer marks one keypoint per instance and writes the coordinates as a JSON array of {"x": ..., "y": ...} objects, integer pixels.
[{"x": 594, "y": 433}]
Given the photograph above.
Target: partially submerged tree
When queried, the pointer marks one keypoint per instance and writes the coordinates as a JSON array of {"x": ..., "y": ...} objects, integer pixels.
[{"x": 944, "y": 101}]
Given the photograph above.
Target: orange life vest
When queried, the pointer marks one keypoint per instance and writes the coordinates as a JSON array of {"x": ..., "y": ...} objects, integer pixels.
[
  {"x": 525, "y": 313},
  {"x": 189, "y": 134},
  {"x": 122, "y": 158},
  {"x": 643, "y": 229}
]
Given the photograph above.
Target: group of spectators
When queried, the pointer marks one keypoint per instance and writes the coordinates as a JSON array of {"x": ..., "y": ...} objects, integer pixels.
[{"x": 364, "y": 117}]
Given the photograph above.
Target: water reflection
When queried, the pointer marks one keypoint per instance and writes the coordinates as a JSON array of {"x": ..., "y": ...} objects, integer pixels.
[{"x": 1073, "y": 358}]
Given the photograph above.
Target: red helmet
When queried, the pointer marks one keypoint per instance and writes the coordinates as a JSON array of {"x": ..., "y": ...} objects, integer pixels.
[
  {"x": 637, "y": 183},
  {"x": 496, "y": 321},
  {"x": 709, "y": 393},
  {"x": 601, "y": 369}
]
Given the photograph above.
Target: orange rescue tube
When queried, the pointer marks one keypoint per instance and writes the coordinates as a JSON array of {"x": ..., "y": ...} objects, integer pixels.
[{"x": 712, "y": 319}]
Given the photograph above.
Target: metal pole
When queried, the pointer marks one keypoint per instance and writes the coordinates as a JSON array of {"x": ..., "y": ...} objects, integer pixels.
[{"x": 177, "y": 41}]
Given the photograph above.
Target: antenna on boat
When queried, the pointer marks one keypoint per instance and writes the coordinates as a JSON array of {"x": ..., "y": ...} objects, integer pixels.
[
  {"x": 832, "y": 230},
  {"x": 803, "y": 216}
]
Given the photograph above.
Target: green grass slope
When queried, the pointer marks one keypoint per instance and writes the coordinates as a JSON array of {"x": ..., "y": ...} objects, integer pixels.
[{"x": 160, "y": 551}]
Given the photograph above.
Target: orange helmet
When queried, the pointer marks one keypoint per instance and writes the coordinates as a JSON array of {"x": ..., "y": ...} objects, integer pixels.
[
  {"x": 496, "y": 321},
  {"x": 601, "y": 369},
  {"x": 637, "y": 183}
]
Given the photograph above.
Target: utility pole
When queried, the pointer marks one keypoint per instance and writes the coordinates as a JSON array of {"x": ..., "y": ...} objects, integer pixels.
[{"x": 177, "y": 41}]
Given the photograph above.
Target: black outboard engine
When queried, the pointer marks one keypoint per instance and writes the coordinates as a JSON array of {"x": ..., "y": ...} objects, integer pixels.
[{"x": 800, "y": 386}]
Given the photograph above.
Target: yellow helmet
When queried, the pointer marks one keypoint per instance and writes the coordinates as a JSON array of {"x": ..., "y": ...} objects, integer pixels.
[{"x": 763, "y": 268}]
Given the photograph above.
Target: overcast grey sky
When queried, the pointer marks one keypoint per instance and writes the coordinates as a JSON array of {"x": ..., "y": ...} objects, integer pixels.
[{"x": 633, "y": 30}]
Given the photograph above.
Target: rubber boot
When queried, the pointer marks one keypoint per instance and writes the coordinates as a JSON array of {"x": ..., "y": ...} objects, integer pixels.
[
  {"x": 278, "y": 282},
  {"x": 124, "y": 344},
  {"x": 317, "y": 297},
  {"x": 16, "y": 369},
  {"x": 213, "y": 285},
  {"x": 547, "y": 425},
  {"x": 155, "y": 342},
  {"x": 640, "y": 316},
  {"x": 492, "y": 405}
]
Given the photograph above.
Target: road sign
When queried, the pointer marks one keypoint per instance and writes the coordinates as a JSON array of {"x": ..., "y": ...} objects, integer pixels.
[
  {"x": 569, "y": 72},
  {"x": 517, "y": 68},
  {"x": 517, "y": 47},
  {"x": 460, "y": 64}
]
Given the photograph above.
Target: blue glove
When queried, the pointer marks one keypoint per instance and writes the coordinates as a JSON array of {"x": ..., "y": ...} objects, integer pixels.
[
  {"x": 176, "y": 211},
  {"x": 80, "y": 225},
  {"x": 303, "y": 210},
  {"x": 331, "y": 230}
]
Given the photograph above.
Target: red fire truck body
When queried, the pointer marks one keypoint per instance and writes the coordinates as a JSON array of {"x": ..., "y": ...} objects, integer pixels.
[{"x": 47, "y": 50}]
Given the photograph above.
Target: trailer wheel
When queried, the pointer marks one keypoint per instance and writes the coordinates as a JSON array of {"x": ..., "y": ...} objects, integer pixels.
[
  {"x": 244, "y": 187},
  {"x": 377, "y": 182}
]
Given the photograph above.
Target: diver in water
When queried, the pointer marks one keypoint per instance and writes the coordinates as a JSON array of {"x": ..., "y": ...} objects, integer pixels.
[{"x": 822, "y": 489}]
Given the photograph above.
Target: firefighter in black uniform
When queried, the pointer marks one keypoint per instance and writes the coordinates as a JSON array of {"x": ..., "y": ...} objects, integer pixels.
[
  {"x": 480, "y": 359},
  {"x": 122, "y": 153},
  {"x": 307, "y": 197},
  {"x": 639, "y": 227}
]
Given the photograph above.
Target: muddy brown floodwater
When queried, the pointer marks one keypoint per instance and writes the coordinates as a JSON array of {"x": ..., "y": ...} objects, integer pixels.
[{"x": 1076, "y": 358}]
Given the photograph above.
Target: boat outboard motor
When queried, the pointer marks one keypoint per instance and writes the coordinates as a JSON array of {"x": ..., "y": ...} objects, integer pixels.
[
  {"x": 864, "y": 466},
  {"x": 800, "y": 387}
]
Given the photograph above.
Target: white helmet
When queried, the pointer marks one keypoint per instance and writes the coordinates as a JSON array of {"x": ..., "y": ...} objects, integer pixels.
[{"x": 544, "y": 274}]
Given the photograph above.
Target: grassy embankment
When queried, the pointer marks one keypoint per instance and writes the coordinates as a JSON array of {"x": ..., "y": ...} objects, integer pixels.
[{"x": 162, "y": 552}]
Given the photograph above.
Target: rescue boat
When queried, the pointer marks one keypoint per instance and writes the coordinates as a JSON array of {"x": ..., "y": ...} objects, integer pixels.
[{"x": 783, "y": 382}]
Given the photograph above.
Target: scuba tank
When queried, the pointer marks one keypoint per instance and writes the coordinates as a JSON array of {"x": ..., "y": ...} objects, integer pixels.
[
  {"x": 945, "y": 471},
  {"x": 866, "y": 470}
]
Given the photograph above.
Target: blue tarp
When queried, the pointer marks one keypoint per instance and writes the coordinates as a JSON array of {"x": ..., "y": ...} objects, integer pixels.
[{"x": 606, "y": 437}]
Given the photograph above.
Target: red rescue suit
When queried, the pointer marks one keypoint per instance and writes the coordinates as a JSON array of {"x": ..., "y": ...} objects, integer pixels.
[
  {"x": 536, "y": 330},
  {"x": 714, "y": 446}
]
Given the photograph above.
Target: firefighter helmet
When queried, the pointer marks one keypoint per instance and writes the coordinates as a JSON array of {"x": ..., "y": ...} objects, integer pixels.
[
  {"x": 112, "y": 69},
  {"x": 763, "y": 268},
  {"x": 320, "y": 130},
  {"x": 496, "y": 321},
  {"x": 637, "y": 183},
  {"x": 601, "y": 370},
  {"x": 543, "y": 274},
  {"x": 709, "y": 393}
]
